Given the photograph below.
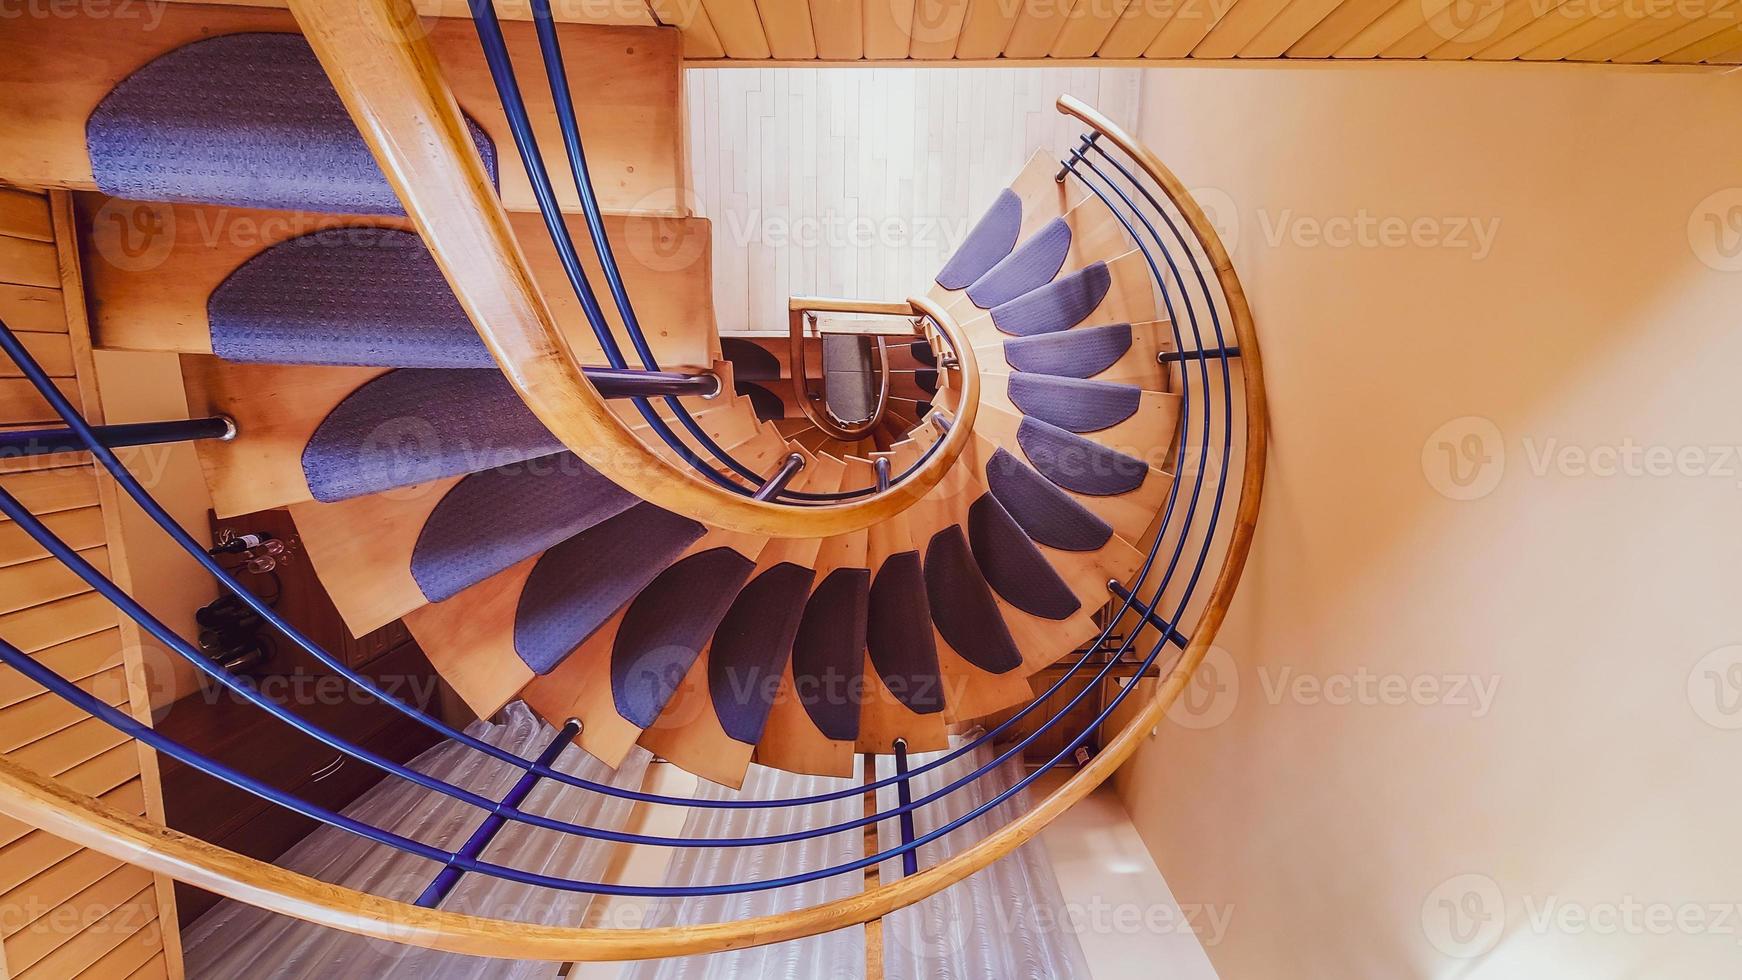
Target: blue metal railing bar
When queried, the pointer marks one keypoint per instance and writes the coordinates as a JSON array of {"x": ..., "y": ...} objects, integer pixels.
[
  {"x": 438, "y": 726},
  {"x": 448, "y": 877},
  {"x": 556, "y": 72},
  {"x": 42, "y": 442},
  {"x": 1148, "y": 610},
  {"x": 514, "y": 874},
  {"x": 1222, "y": 348},
  {"x": 514, "y": 107},
  {"x": 1178, "y": 356},
  {"x": 143, "y": 498},
  {"x": 508, "y": 90},
  {"x": 1204, "y": 354},
  {"x": 904, "y": 796},
  {"x": 1179, "y": 639},
  {"x": 13, "y": 348},
  {"x": 10, "y": 507},
  {"x": 127, "y": 725}
]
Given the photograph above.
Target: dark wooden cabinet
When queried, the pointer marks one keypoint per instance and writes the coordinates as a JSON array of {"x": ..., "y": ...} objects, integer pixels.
[{"x": 222, "y": 725}]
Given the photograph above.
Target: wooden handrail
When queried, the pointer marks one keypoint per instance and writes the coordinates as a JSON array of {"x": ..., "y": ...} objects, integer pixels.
[
  {"x": 381, "y": 64},
  {"x": 77, "y": 817},
  {"x": 798, "y": 307}
]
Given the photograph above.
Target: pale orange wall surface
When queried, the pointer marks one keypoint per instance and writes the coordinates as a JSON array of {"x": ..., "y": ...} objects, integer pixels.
[{"x": 1477, "y": 711}]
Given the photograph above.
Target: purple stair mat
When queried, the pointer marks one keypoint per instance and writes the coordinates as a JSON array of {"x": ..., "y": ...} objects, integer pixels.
[
  {"x": 244, "y": 119},
  {"x": 751, "y": 648},
  {"x": 666, "y": 627},
  {"x": 1080, "y": 353},
  {"x": 1045, "y": 513},
  {"x": 366, "y": 297},
  {"x": 1030, "y": 267},
  {"x": 828, "y": 655},
  {"x": 1076, "y": 463},
  {"x": 962, "y": 606},
  {"x": 1072, "y": 404},
  {"x": 1013, "y": 566},
  {"x": 420, "y": 424},
  {"x": 923, "y": 353},
  {"x": 491, "y": 520},
  {"x": 993, "y": 237},
  {"x": 580, "y": 584},
  {"x": 1058, "y": 305},
  {"x": 926, "y": 379},
  {"x": 899, "y": 635}
]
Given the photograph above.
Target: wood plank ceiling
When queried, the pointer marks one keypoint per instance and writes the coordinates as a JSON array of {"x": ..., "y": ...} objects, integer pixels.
[
  {"x": 1615, "y": 31},
  {"x": 729, "y": 32}
]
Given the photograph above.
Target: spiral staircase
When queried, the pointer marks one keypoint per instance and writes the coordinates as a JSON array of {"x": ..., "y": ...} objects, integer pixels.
[{"x": 417, "y": 363}]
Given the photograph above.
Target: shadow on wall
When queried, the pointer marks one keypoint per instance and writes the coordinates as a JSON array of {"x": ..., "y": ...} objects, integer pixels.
[{"x": 1481, "y": 667}]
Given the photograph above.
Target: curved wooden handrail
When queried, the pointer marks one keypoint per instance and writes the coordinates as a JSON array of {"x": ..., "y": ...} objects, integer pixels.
[
  {"x": 46, "y": 803},
  {"x": 381, "y": 64},
  {"x": 797, "y": 308}
]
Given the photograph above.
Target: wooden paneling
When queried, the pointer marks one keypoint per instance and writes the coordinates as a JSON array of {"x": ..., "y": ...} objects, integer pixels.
[
  {"x": 795, "y": 168},
  {"x": 71, "y": 912},
  {"x": 1105, "y": 31}
]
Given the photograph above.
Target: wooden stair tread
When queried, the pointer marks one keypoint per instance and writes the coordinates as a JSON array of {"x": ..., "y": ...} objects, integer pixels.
[{"x": 625, "y": 80}]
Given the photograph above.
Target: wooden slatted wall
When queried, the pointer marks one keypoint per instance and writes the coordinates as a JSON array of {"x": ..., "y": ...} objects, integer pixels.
[{"x": 67, "y": 911}]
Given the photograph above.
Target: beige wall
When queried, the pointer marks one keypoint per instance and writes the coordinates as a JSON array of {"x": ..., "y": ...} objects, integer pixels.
[{"x": 1358, "y": 773}]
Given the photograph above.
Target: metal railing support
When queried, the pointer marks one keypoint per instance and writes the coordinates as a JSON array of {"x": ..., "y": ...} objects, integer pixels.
[
  {"x": 41, "y": 442},
  {"x": 445, "y": 880},
  {"x": 783, "y": 476},
  {"x": 1150, "y": 618},
  {"x": 629, "y": 383},
  {"x": 904, "y": 797},
  {"x": 1180, "y": 356}
]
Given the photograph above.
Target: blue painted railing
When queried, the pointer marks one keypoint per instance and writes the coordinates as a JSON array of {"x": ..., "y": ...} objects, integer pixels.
[{"x": 1160, "y": 594}]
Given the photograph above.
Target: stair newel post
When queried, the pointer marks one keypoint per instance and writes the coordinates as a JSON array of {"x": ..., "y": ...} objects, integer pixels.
[
  {"x": 904, "y": 797},
  {"x": 882, "y": 468}
]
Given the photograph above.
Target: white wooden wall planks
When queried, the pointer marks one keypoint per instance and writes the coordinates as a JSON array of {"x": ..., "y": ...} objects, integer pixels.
[{"x": 859, "y": 182}]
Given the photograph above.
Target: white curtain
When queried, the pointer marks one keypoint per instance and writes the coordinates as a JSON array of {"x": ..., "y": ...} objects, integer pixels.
[
  {"x": 238, "y": 940},
  {"x": 1006, "y": 922},
  {"x": 837, "y": 955}
]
